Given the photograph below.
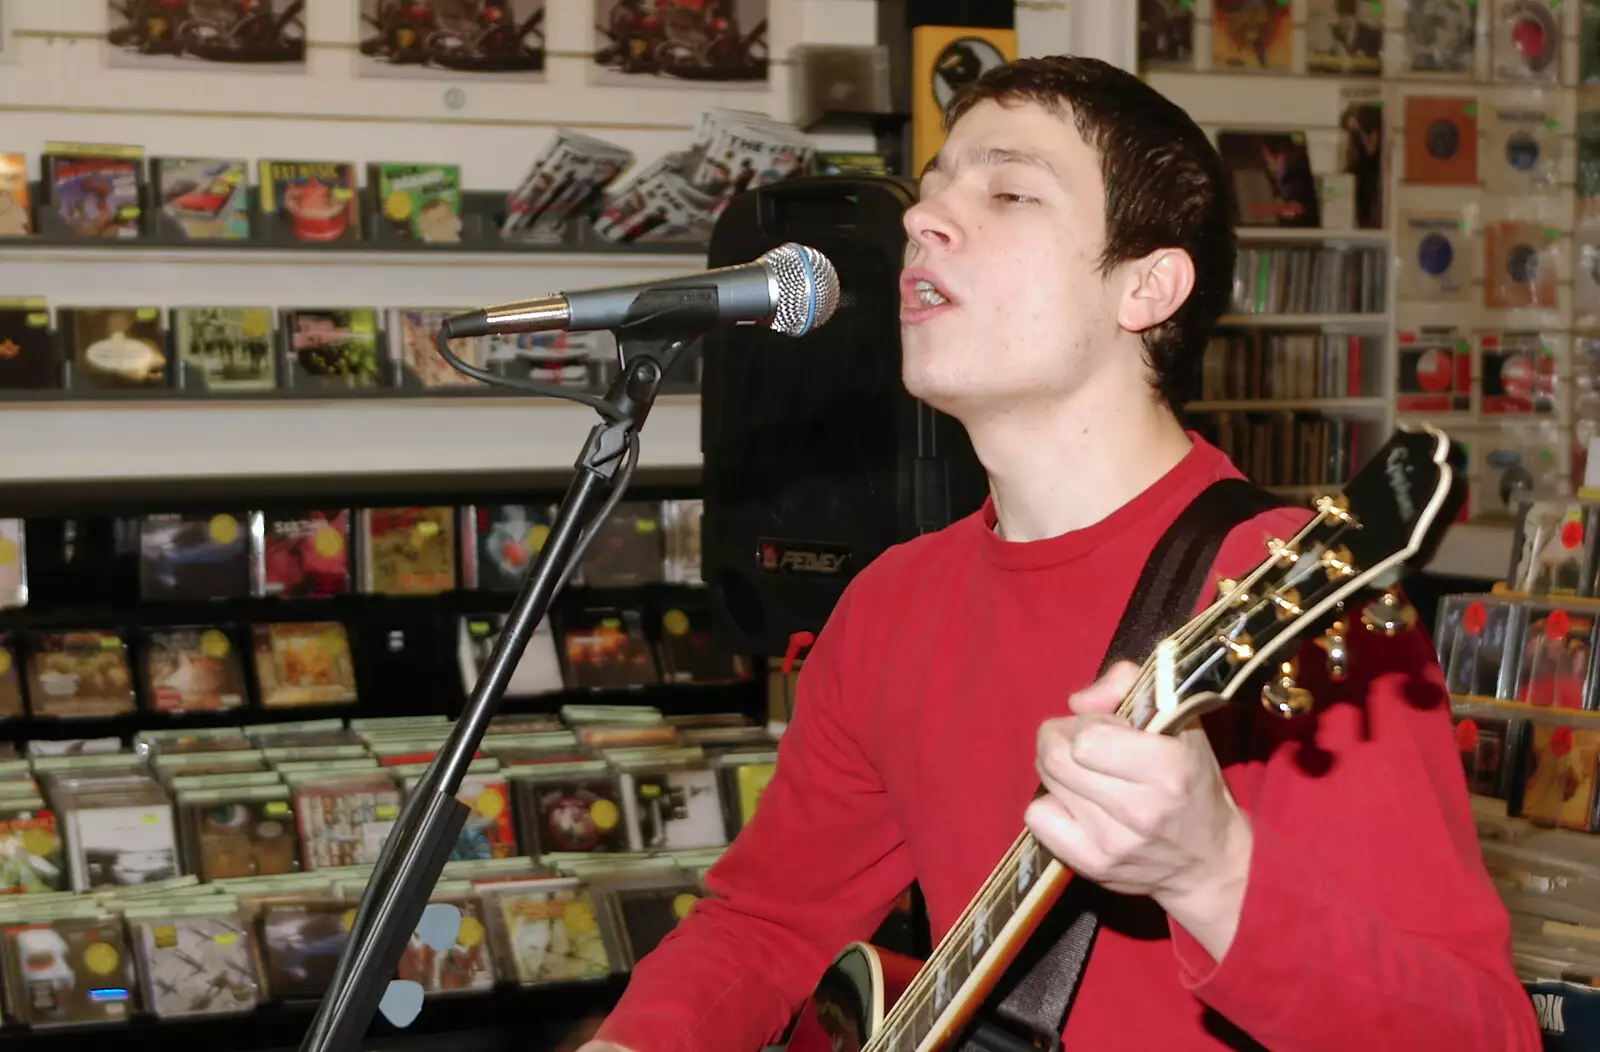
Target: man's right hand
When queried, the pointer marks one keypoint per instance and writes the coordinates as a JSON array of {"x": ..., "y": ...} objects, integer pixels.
[{"x": 602, "y": 1046}]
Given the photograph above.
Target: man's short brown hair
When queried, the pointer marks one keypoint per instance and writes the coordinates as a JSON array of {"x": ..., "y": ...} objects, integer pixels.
[{"x": 1166, "y": 187}]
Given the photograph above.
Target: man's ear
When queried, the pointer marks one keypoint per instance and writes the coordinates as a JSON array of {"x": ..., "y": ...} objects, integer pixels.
[{"x": 1157, "y": 285}]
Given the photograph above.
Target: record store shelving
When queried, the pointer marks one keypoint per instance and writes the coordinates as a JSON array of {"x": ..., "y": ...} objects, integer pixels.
[
  {"x": 1524, "y": 96},
  {"x": 1476, "y": 122}
]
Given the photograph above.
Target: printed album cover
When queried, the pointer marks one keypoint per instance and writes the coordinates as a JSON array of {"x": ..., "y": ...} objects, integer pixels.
[
  {"x": 229, "y": 347},
  {"x": 1250, "y": 35},
  {"x": 114, "y": 348},
  {"x": 204, "y": 198},
  {"x": 88, "y": 979},
  {"x": 10, "y": 679},
  {"x": 250, "y": 36},
  {"x": 95, "y": 196},
  {"x": 1442, "y": 36},
  {"x": 1441, "y": 145},
  {"x": 419, "y": 202},
  {"x": 27, "y": 352},
  {"x": 197, "y": 966},
  {"x": 1272, "y": 181},
  {"x": 16, "y": 213},
  {"x": 193, "y": 557},
  {"x": 79, "y": 674},
  {"x": 1361, "y": 146},
  {"x": 454, "y": 40},
  {"x": 1166, "y": 33},
  {"x": 304, "y": 663},
  {"x": 692, "y": 43},
  {"x": 193, "y": 670},
  {"x": 312, "y": 200},
  {"x": 546, "y": 930},
  {"x": 334, "y": 348},
  {"x": 408, "y": 551},
  {"x": 1344, "y": 37},
  {"x": 302, "y": 554}
]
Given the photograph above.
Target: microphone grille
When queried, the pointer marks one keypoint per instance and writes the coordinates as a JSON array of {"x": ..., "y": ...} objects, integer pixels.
[{"x": 808, "y": 288}]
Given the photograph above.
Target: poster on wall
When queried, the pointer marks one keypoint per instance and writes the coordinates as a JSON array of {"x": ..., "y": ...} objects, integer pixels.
[
  {"x": 255, "y": 35},
  {"x": 452, "y": 39},
  {"x": 692, "y": 43}
]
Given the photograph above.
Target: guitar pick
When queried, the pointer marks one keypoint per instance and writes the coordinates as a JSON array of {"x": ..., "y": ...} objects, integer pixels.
[
  {"x": 402, "y": 1002},
  {"x": 439, "y": 926}
]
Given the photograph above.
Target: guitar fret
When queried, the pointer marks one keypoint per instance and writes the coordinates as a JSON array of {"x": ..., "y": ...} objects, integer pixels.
[{"x": 980, "y": 932}]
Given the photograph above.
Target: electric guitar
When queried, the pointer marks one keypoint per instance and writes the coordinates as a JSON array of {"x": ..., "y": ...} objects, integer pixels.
[{"x": 1362, "y": 540}]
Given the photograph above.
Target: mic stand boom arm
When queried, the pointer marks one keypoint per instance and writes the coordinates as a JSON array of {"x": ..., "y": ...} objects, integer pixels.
[{"x": 416, "y": 850}]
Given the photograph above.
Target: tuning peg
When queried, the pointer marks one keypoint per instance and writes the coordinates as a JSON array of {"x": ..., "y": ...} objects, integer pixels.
[
  {"x": 1336, "y": 509},
  {"x": 1227, "y": 588},
  {"x": 1333, "y": 642},
  {"x": 1282, "y": 550},
  {"x": 1388, "y": 614},
  {"x": 1287, "y": 601},
  {"x": 1282, "y": 696},
  {"x": 1337, "y": 561}
]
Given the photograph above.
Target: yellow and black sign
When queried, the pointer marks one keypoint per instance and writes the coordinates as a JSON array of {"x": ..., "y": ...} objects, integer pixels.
[{"x": 943, "y": 58}]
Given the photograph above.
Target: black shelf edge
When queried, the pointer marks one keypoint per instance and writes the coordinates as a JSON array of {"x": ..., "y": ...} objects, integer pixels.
[{"x": 537, "y": 1017}]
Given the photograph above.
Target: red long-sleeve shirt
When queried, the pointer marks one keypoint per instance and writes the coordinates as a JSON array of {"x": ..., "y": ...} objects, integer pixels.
[{"x": 1368, "y": 922}]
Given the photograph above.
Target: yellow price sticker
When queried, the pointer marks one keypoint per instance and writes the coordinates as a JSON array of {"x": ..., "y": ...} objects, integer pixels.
[
  {"x": 383, "y": 811},
  {"x": 328, "y": 542},
  {"x": 224, "y": 529},
  {"x": 5, "y": 661},
  {"x": 605, "y": 815},
  {"x": 579, "y": 918},
  {"x": 149, "y": 818},
  {"x": 537, "y": 535},
  {"x": 470, "y": 933},
  {"x": 276, "y": 807},
  {"x": 214, "y": 644},
  {"x": 683, "y": 904},
  {"x": 489, "y": 804},
  {"x": 101, "y": 958},
  {"x": 675, "y": 623},
  {"x": 226, "y": 938},
  {"x": 8, "y": 551}
]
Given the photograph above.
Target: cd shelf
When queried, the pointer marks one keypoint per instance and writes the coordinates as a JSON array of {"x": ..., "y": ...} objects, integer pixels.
[
  {"x": 481, "y": 211},
  {"x": 1370, "y": 320}
]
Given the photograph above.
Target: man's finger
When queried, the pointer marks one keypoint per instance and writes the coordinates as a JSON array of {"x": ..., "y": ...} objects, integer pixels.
[
  {"x": 1061, "y": 834},
  {"x": 1107, "y": 692}
]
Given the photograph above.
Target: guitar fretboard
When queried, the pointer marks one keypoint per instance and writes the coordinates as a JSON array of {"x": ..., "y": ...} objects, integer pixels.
[{"x": 961, "y": 950}]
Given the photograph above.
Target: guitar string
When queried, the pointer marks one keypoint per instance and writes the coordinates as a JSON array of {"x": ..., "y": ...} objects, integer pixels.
[{"x": 918, "y": 995}]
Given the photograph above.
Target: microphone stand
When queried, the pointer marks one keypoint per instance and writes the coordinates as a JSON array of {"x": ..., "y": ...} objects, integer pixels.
[{"x": 659, "y": 324}]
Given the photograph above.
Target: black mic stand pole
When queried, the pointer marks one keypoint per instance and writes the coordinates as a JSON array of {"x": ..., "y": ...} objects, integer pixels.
[{"x": 416, "y": 850}]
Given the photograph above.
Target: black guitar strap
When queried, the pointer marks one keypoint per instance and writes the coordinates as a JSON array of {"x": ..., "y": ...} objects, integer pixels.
[{"x": 1163, "y": 599}]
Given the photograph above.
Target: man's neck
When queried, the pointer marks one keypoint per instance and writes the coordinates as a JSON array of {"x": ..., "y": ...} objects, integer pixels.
[{"x": 1058, "y": 468}]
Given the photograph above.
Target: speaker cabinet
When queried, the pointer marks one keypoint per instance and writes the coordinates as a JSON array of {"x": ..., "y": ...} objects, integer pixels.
[{"x": 815, "y": 457}]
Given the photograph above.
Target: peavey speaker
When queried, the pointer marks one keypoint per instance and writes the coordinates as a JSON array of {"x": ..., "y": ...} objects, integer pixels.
[{"x": 815, "y": 457}]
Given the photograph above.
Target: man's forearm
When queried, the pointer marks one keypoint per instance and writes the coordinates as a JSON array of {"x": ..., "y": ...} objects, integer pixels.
[{"x": 1310, "y": 969}]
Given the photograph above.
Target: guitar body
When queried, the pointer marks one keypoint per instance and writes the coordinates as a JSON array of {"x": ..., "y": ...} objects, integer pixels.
[{"x": 849, "y": 1003}]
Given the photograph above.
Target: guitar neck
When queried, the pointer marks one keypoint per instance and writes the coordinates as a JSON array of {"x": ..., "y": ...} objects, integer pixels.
[{"x": 977, "y": 949}]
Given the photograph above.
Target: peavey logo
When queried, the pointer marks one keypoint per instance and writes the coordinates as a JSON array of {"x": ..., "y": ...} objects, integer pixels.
[
  {"x": 1395, "y": 468},
  {"x": 807, "y": 558}
]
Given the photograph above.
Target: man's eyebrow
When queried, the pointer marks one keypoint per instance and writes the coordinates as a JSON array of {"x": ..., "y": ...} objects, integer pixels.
[{"x": 992, "y": 156}]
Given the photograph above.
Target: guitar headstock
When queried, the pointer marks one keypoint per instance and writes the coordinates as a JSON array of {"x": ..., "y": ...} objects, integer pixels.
[{"x": 1360, "y": 541}]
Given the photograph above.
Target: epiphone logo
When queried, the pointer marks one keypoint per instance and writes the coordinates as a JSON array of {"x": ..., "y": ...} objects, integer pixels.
[
  {"x": 1395, "y": 468},
  {"x": 806, "y": 558}
]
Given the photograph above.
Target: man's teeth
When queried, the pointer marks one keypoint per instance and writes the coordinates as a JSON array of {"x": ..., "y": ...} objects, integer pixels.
[{"x": 929, "y": 296}]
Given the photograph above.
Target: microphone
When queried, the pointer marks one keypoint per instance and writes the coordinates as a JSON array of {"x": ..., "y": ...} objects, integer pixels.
[{"x": 792, "y": 289}]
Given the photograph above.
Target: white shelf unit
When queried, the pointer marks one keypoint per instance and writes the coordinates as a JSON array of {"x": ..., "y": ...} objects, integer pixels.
[
  {"x": 1298, "y": 101},
  {"x": 108, "y": 442}
]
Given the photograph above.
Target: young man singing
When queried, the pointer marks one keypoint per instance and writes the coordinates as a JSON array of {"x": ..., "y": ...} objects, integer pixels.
[{"x": 1310, "y": 885}]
